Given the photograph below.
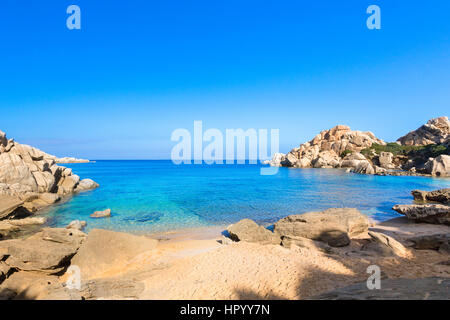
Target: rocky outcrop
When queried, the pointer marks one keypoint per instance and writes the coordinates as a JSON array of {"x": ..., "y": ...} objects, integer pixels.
[
  {"x": 277, "y": 160},
  {"x": 8, "y": 205},
  {"x": 32, "y": 286},
  {"x": 439, "y": 166},
  {"x": 393, "y": 289},
  {"x": 385, "y": 160},
  {"x": 435, "y": 131},
  {"x": 101, "y": 214},
  {"x": 326, "y": 148},
  {"x": 341, "y": 147},
  {"x": 77, "y": 224},
  {"x": 333, "y": 226},
  {"x": 439, "y": 242},
  {"x": 34, "y": 177},
  {"x": 249, "y": 231},
  {"x": 384, "y": 245},
  {"x": 48, "y": 251},
  {"x": 430, "y": 213},
  {"x": 441, "y": 195},
  {"x": 104, "y": 250}
]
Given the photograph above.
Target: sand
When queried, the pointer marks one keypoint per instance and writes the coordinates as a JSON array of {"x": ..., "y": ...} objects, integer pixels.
[{"x": 193, "y": 264}]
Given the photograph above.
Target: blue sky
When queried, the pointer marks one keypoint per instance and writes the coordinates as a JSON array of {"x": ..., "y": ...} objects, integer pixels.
[{"x": 137, "y": 70}]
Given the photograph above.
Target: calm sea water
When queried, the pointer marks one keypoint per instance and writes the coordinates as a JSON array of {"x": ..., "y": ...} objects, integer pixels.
[{"x": 153, "y": 196}]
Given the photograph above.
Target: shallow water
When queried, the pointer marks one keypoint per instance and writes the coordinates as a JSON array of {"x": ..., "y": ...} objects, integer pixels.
[{"x": 154, "y": 196}]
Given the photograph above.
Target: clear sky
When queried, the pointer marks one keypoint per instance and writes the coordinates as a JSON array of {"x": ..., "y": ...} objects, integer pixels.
[{"x": 137, "y": 70}]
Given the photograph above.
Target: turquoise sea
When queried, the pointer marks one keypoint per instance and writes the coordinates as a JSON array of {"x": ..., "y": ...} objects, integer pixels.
[{"x": 153, "y": 196}]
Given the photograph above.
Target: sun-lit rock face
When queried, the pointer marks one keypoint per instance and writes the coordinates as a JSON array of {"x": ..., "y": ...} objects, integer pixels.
[
  {"x": 435, "y": 131},
  {"x": 34, "y": 176},
  {"x": 326, "y": 148}
]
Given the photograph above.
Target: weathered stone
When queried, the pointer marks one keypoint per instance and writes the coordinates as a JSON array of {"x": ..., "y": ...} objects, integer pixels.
[
  {"x": 249, "y": 231},
  {"x": 49, "y": 198},
  {"x": 85, "y": 185},
  {"x": 393, "y": 289},
  {"x": 112, "y": 289},
  {"x": 277, "y": 160},
  {"x": 435, "y": 131},
  {"x": 101, "y": 214},
  {"x": 429, "y": 242},
  {"x": 385, "y": 160},
  {"x": 301, "y": 242},
  {"x": 319, "y": 225},
  {"x": 430, "y": 213},
  {"x": 30, "y": 286},
  {"x": 439, "y": 167},
  {"x": 48, "y": 251},
  {"x": 104, "y": 250},
  {"x": 25, "y": 170},
  {"x": 335, "y": 238},
  {"x": 441, "y": 195},
  {"x": 8, "y": 204},
  {"x": 77, "y": 224},
  {"x": 385, "y": 245}
]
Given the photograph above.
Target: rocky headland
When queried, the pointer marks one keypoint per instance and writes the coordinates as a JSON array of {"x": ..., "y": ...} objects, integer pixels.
[
  {"x": 31, "y": 179},
  {"x": 424, "y": 151}
]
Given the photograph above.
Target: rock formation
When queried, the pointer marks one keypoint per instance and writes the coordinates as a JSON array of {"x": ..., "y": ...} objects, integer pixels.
[
  {"x": 428, "y": 212},
  {"x": 441, "y": 195},
  {"x": 326, "y": 149},
  {"x": 439, "y": 166},
  {"x": 384, "y": 245},
  {"x": 101, "y": 214},
  {"x": 250, "y": 231},
  {"x": 104, "y": 249},
  {"x": 362, "y": 152},
  {"x": 33, "y": 178},
  {"x": 333, "y": 226},
  {"x": 48, "y": 251},
  {"x": 435, "y": 131}
]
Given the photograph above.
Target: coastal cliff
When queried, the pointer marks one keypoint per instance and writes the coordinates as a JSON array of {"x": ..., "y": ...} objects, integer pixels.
[{"x": 424, "y": 151}]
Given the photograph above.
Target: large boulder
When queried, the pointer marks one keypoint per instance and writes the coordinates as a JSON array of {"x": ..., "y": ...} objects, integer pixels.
[
  {"x": 31, "y": 286},
  {"x": 385, "y": 245},
  {"x": 249, "y": 231},
  {"x": 326, "y": 159},
  {"x": 333, "y": 226},
  {"x": 277, "y": 160},
  {"x": 441, "y": 195},
  {"x": 8, "y": 204},
  {"x": 386, "y": 160},
  {"x": 430, "y": 213},
  {"x": 14, "y": 170},
  {"x": 435, "y": 131},
  {"x": 48, "y": 251},
  {"x": 106, "y": 250},
  {"x": 101, "y": 214},
  {"x": 77, "y": 224},
  {"x": 86, "y": 185},
  {"x": 439, "y": 166}
]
